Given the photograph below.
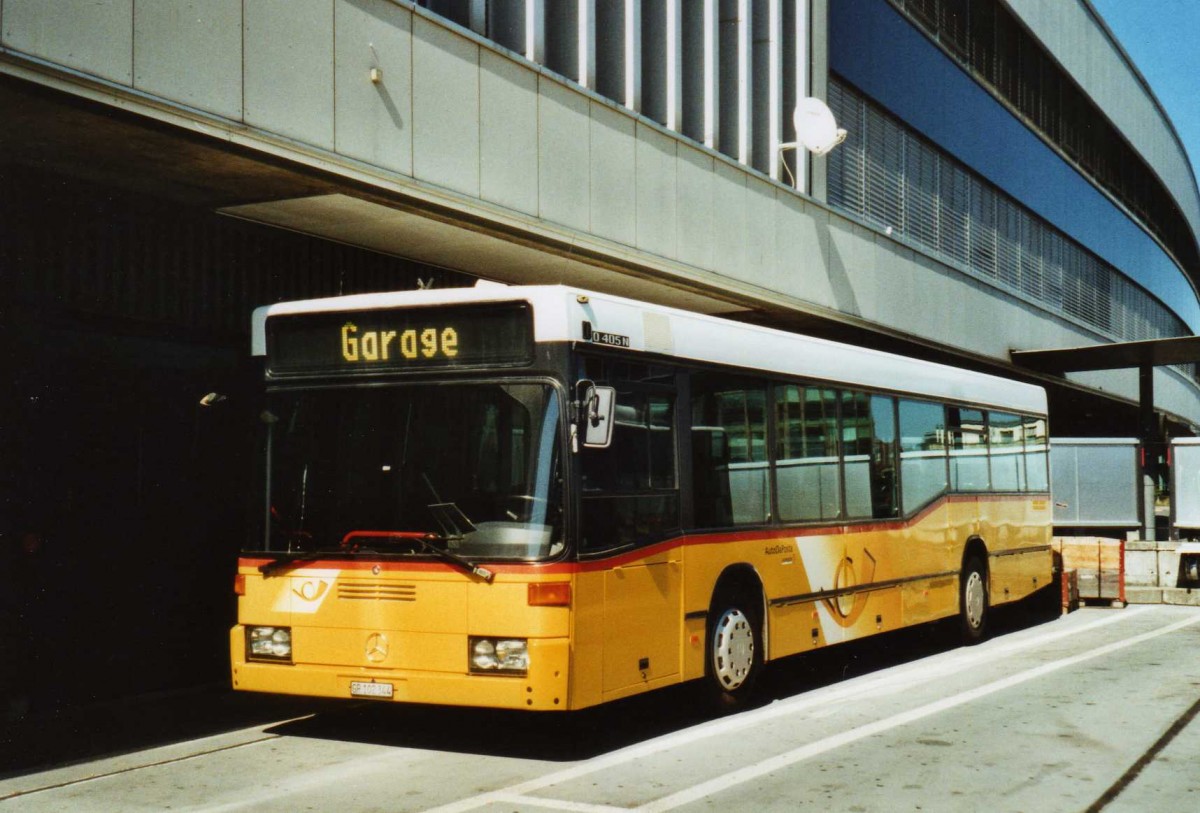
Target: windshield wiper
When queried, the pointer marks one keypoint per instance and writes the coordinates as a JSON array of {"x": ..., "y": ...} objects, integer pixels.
[
  {"x": 426, "y": 542},
  {"x": 304, "y": 538},
  {"x": 284, "y": 562}
]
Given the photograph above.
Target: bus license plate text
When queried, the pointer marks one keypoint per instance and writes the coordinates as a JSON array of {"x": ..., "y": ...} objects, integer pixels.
[{"x": 358, "y": 689}]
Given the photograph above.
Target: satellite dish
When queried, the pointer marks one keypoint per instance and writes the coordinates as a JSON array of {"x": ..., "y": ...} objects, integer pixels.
[{"x": 815, "y": 126}]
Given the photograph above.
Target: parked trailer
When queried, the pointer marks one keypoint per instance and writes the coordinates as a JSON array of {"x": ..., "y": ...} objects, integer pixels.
[
  {"x": 1096, "y": 483},
  {"x": 1096, "y": 487}
]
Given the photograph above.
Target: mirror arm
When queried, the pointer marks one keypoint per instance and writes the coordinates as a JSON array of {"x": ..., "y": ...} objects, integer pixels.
[
  {"x": 582, "y": 387},
  {"x": 585, "y": 393}
]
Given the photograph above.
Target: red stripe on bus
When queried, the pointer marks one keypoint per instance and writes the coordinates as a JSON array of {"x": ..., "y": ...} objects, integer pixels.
[{"x": 689, "y": 540}]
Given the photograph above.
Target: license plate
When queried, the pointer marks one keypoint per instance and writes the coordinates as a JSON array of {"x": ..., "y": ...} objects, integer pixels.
[{"x": 358, "y": 689}]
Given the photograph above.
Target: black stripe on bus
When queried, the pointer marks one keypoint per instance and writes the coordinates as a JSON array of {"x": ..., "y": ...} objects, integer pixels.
[
  {"x": 859, "y": 588},
  {"x": 1016, "y": 551},
  {"x": 874, "y": 586}
]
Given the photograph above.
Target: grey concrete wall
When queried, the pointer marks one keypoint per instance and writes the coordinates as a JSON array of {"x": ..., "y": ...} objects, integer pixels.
[{"x": 499, "y": 139}]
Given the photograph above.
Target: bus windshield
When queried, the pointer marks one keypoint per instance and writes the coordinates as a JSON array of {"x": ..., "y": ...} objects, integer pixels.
[{"x": 472, "y": 468}]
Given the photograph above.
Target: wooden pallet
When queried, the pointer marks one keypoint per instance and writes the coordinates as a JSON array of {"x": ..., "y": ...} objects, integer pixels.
[{"x": 1099, "y": 565}]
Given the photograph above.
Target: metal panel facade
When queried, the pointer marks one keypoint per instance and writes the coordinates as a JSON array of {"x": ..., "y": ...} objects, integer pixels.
[
  {"x": 374, "y": 113},
  {"x": 612, "y": 166},
  {"x": 95, "y": 36},
  {"x": 190, "y": 51},
  {"x": 501, "y": 141},
  {"x": 760, "y": 233},
  {"x": 289, "y": 68},
  {"x": 445, "y": 108},
  {"x": 729, "y": 208},
  {"x": 801, "y": 245},
  {"x": 563, "y": 155},
  {"x": 508, "y": 133},
  {"x": 655, "y": 191},
  {"x": 695, "y": 210}
]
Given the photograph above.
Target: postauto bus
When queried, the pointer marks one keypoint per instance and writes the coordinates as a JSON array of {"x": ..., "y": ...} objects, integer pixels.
[{"x": 547, "y": 498}]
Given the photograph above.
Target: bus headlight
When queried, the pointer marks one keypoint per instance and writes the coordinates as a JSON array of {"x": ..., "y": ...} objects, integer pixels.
[
  {"x": 499, "y": 656},
  {"x": 269, "y": 644}
]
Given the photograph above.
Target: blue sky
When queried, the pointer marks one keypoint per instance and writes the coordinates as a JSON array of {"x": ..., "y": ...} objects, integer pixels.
[{"x": 1163, "y": 39}]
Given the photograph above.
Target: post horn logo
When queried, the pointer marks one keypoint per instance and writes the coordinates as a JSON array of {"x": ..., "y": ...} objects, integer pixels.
[
  {"x": 848, "y": 602},
  {"x": 377, "y": 647},
  {"x": 311, "y": 591}
]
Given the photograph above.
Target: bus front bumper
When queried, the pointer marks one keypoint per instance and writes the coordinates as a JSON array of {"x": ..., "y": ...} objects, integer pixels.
[{"x": 543, "y": 688}]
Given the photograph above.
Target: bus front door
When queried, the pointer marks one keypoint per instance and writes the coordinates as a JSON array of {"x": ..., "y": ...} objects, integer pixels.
[{"x": 641, "y": 625}]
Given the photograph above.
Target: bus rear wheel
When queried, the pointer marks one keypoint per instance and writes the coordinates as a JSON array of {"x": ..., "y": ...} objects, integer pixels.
[
  {"x": 735, "y": 656},
  {"x": 973, "y": 601}
]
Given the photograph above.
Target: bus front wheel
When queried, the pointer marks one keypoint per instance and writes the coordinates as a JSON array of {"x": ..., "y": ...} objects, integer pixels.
[
  {"x": 735, "y": 655},
  {"x": 973, "y": 600}
]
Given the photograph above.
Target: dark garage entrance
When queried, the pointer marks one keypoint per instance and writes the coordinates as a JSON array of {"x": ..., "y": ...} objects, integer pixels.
[{"x": 118, "y": 312}]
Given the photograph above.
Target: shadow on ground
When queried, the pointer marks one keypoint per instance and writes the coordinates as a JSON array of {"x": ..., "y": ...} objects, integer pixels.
[
  {"x": 60, "y": 737},
  {"x": 559, "y": 737},
  {"x": 76, "y": 735}
]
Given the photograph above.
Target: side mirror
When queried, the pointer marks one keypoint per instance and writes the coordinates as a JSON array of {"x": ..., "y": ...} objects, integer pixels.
[
  {"x": 592, "y": 412},
  {"x": 600, "y": 404}
]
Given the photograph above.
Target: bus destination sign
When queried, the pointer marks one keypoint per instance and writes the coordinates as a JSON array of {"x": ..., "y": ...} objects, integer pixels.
[{"x": 397, "y": 340}]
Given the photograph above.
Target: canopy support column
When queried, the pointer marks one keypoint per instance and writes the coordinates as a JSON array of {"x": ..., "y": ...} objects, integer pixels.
[{"x": 1148, "y": 433}]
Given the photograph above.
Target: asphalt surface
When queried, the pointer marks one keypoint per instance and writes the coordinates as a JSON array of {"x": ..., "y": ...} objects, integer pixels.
[{"x": 1093, "y": 711}]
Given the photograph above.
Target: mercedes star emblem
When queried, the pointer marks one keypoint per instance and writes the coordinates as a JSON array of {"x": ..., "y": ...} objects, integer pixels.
[{"x": 377, "y": 647}]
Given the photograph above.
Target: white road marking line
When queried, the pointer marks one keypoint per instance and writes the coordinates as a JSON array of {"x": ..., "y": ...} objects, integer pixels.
[
  {"x": 897, "y": 680},
  {"x": 108, "y": 775},
  {"x": 734, "y": 778},
  {"x": 556, "y": 804},
  {"x": 344, "y": 774},
  {"x": 71, "y": 775}
]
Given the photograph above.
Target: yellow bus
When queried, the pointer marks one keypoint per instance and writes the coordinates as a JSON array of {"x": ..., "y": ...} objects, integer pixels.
[{"x": 547, "y": 498}]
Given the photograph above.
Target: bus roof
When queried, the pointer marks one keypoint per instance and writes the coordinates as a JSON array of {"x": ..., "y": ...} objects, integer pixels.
[{"x": 562, "y": 313}]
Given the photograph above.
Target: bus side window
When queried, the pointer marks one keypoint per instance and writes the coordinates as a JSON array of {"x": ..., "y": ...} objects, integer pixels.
[
  {"x": 1037, "y": 458},
  {"x": 807, "y": 470},
  {"x": 922, "y": 452},
  {"x": 729, "y": 450},
  {"x": 869, "y": 455},
  {"x": 968, "y": 449},
  {"x": 1007, "y": 441},
  {"x": 710, "y": 456},
  {"x": 630, "y": 490}
]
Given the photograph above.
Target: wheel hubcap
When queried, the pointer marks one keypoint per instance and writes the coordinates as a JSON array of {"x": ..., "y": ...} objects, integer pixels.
[
  {"x": 974, "y": 598},
  {"x": 733, "y": 649}
]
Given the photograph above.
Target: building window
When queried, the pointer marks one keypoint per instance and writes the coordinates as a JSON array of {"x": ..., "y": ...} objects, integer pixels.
[
  {"x": 985, "y": 38},
  {"x": 889, "y": 176}
]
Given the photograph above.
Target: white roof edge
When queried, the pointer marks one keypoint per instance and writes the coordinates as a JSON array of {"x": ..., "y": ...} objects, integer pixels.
[{"x": 559, "y": 313}]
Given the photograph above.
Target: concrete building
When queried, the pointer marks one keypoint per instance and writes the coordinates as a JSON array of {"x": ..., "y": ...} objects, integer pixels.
[{"x": 1009, "y": 181}]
